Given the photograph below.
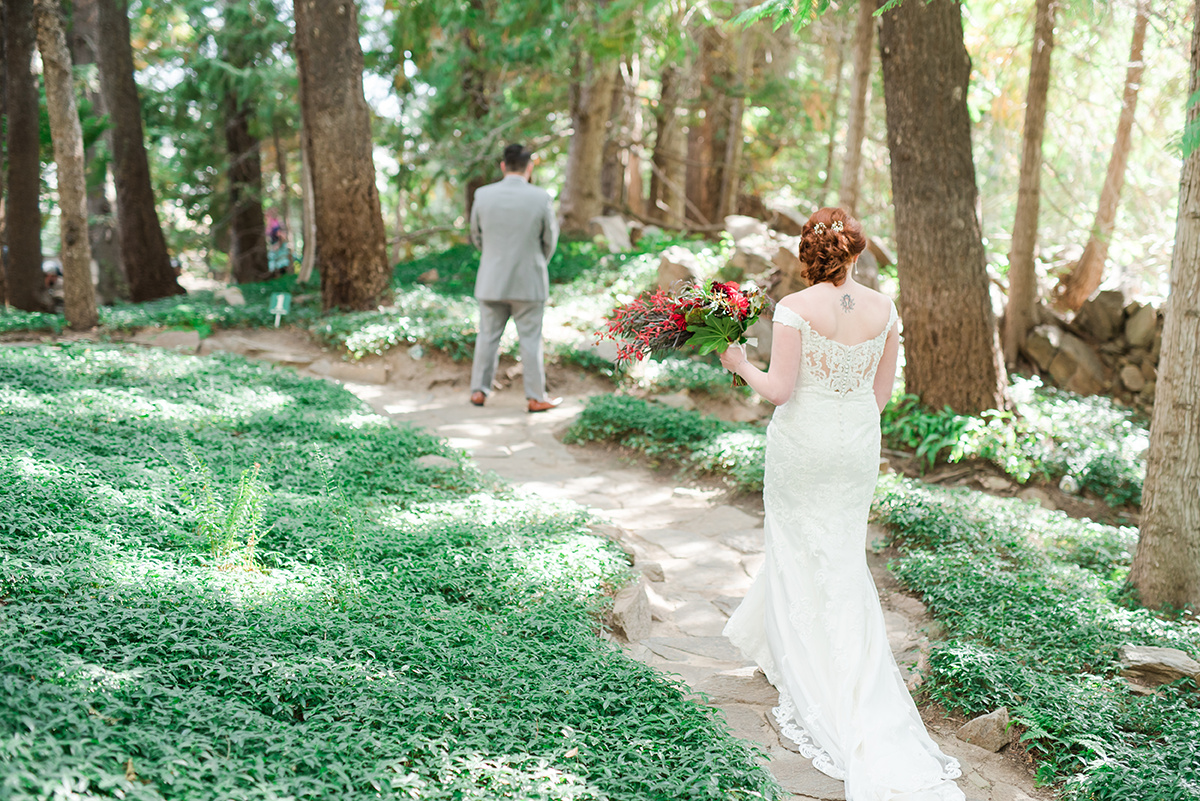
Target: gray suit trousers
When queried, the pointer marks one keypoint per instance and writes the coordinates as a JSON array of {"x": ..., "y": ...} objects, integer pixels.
[{"x": 493, "y": 317}]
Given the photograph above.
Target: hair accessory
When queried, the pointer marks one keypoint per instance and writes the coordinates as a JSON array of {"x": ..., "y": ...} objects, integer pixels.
[
  {"x": 837, "y": 226},
  {"x": 818, "y": 228}
]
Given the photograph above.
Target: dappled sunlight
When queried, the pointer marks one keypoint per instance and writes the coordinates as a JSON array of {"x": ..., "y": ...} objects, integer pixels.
[{"x": 482, "y": 777}]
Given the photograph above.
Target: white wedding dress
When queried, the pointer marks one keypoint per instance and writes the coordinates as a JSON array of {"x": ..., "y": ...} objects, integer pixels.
[{"x": 812, "y": 619}]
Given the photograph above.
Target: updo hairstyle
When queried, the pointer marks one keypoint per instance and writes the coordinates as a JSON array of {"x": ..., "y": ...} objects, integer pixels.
[{"x": 829, "y": 241}]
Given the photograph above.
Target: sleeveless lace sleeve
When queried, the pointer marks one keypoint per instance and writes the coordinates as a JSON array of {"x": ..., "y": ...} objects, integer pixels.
[{"x": 785, "y": 316}]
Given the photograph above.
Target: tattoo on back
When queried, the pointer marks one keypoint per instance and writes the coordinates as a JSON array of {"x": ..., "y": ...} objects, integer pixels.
[{"x": 847, "y": 303}]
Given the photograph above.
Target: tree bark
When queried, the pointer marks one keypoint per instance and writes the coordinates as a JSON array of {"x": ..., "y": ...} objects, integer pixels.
[
  {"x": 856, "y": 114},
  {"x": 1166, "y": 568},
  {"x": 352, "y": 258},
  {"x": 620, "y": 173},
  {"x": 25, "y": 280},
  {"x": 668, "y": 166},
  {"x": 1022, "y": 276},
  {"x": 952, "y": 354},
  {"x": 281, "y": 167},
  {"x": 3, "y": 118},
  {"x": 706, "y": 135},
  {"x": 835, "y": 100},
  {"x": 102, "y": 230},
  {"x": 248, "y": 251},
  {"x": 308, "y": 217},
  {"x": 477, "y": 89},
  {"x": 79, "y": 298},
  {"x": 1086, "y": 275},
  {"x": 591, "y": 108},
  {"x": 143, "y": 248}
]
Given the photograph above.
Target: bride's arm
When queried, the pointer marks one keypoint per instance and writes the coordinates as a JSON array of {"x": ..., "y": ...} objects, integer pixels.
[
  {"x": 885, "y": 375},
  {"x": 777, "y": 383}
]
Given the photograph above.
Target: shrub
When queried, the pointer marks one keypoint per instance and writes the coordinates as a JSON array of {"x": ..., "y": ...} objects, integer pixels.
[
  {"x": 1032, "y": 602},
  {"x": 409, "y": 632},
  {"x": 707, "y": 444}
]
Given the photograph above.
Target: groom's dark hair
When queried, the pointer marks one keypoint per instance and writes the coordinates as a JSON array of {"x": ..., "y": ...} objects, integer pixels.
[{"x": 516, "y": 158}]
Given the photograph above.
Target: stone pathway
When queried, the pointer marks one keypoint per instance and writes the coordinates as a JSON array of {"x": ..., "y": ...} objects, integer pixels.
[{"x": 697, "y": 552}]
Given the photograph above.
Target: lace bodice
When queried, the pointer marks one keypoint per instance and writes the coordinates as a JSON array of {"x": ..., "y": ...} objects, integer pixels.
[{"x": 834, "y": 365}]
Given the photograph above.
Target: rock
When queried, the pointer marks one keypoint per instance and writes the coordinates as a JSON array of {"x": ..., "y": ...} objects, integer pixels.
[
  {"x": 430, "y": 276},
  {"x": 1139, "y": 328},
  {"x": 1148, "y": 391},
  {"x": 1041, "y": 346},
  {"x": 1132, "y": 378},
  {"x": 677, "y": 263},
  {"x": 231, "y": 295},
  {"x": 631, "y": 612},
  {"x": 715, "y": 648},
  {"x": 995, "y": 483},
  {"x": 1149, "y": 371},
  {"x": 1101, "y": 316},
  {"x": 676, "y": 400},
  {"x": 907, "y": 605},
  {"x": 760, "y": 335},
  {"x": 374, "y": 372},
  {"x": 749, "y": 259},
  {"x": 1037, "y": 494},
  {"x": 432, "y": 460},
  {"x": 653, "y": 571},
  {"x": 1062, "y": 368},
  {"x": 187, "y": 341},
  {"x": 1088, "y": 376},
  {"x": 744, "y": 685},
  {"x": 748, "y": 540},
  {"x": 614, "y": 230},
  {"x": 741, "y": 228},
  {"x": 785, "y": 219},
  {"x": 1152, "y": 666},
  {"x": 988, "y": 731}
]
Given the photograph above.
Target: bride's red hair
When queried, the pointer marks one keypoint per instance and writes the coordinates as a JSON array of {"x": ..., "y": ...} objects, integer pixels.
[{"x": 829, "y": 241}]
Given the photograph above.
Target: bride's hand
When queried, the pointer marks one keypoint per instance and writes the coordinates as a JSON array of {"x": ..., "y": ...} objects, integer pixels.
[{"x": 733, "y": 357}]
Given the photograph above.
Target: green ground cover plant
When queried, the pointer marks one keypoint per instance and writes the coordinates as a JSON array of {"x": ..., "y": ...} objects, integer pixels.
[
  {"x": 1035, "y": 611},
  {"x": 1050, "y": 434},
  {"x": 695, "y": 441},
  {"x": 222, "y": 580}
]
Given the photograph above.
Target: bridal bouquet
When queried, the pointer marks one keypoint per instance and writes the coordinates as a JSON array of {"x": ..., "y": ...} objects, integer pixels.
[{"x": 709, "y": 317}]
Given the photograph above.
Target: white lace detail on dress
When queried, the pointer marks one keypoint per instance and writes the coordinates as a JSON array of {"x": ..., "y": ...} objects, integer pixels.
[{"x": 834, "y": 365}]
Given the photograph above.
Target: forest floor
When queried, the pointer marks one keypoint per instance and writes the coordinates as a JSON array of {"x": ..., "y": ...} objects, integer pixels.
[{"x": 697, "y": 544}]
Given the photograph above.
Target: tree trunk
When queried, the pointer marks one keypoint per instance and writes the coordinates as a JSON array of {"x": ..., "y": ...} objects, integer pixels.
[
  {"x": 635, "y": 192},
  {"x": 856, "y": 114},
  {"x": 477, "y": 89},
  {"x": 308, "y": 217},
  {"x": 1088, "y": 272},
  {"x": 706, "y": 135},
  {"x": 281, "y": 167},
  {"x": 3, "y": 118},
  {"x": 1166, "y": 568},
  {"x": 591, "y": 107},
  {"x": 79, "y": 298},
  {"x": 952, "y": 354},
  {"x": 102, "y": 231},
  {"x": 835, "y": 100},
  {"x": 668, "y": 166},
  {"x": 143, "y": 248},
  {"x": 25, "y": 280},
  {"x": 1022, "y": 276},
  {"x": 248, "y": 250},
  {"x": 337, "y": 123},
  {"x": 731, "y": 168}
]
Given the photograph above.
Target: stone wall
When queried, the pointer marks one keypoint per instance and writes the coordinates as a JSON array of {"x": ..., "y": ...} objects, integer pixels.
[{"x": 1110, "y": 348}]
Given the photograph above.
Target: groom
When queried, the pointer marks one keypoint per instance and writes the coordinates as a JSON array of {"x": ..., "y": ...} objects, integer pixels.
[{"x": 514, "y": 227}]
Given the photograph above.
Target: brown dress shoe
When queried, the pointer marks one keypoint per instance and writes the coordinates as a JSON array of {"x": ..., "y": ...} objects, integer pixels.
[
  {"x": 543, "y": 405},
  {"x": 478, "y": 398}
]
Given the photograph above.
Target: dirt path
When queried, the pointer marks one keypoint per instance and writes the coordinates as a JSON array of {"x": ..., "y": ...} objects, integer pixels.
[{"x": 696, "y": 550}]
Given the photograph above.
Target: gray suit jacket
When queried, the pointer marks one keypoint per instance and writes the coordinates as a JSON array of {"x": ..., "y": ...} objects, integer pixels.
[{"x": 514, "y": 226}]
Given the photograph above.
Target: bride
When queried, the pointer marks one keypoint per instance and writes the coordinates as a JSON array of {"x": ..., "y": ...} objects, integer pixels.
[{"x": 811, "y": 619}]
